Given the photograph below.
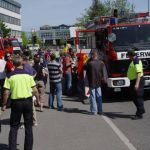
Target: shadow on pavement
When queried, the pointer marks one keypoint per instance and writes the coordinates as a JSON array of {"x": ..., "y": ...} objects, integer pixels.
[
  {"x": 5, "y": 122},
  {"x": 75, "y": 110},
  {"x": 3, "y": 147},
  {"x": 115, "y": 115}
]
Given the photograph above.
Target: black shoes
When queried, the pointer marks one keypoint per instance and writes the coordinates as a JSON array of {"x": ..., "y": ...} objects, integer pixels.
[
  {"x": 100, "y": 113},
  {"x": 137, "y": 117},
  {"x": 143, "y": 111}
]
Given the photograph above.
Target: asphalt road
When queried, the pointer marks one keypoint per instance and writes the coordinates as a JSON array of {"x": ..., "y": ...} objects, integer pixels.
[{"x": 75, "y": 129}]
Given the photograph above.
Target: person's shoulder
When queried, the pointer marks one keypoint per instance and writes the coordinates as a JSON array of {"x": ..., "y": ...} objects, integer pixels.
[{"x": 136, "y": 60}]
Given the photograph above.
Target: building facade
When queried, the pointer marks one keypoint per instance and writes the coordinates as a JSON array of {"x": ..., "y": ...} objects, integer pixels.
[
  {"x": 54, "y": 35},
  {"x": 10, "y": 14}
]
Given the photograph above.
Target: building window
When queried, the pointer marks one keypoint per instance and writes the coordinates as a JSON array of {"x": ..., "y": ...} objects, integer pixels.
[
  {"x": 9, "y": 6},
  {"x": 11, "y": 20}
]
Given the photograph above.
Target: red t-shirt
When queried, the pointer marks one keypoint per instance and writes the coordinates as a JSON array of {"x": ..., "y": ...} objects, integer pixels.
[
  {"x": 67, "y": 60},
  {"x": 9, "y": 66}
]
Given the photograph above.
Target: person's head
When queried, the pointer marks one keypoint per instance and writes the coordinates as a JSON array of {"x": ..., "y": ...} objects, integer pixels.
[
  {"x": 52, "y": 56},
  {"x": 7, "y": 56},
  {"x": 94, "y": 55},
  {"x": 36, "y": 60},
  {"x": 131, "y": 53},
  {"x": 25, "y": 59},
  {"x": 17, "y": 61},
  {"x": 68, "y": 45}
]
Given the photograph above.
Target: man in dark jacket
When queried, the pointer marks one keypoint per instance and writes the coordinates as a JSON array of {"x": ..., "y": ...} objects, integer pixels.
[{"x": 94, "y": 70}]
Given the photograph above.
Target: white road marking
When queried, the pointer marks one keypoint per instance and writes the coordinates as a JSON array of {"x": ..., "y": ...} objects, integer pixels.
[{"x": 119, "y": 133}]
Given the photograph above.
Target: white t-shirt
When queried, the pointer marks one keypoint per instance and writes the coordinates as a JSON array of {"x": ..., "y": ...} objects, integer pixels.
[{"x": 2, "y": 69}]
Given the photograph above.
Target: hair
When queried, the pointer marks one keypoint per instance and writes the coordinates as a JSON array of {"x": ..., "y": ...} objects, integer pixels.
[
  {"x": 36, "y": 60},
  {"x": 53, "y": 56},
  {"x": 17, "y": 61},
  {"x": 94, "y": 54},
  {"x": 6, "y": 56},
  {"x": 25, "y": 58},
  {"x": 131, "y": 53}
]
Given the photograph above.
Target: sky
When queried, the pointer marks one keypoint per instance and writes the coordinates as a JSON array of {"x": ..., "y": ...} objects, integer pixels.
[{"x": 36, "y": 13}]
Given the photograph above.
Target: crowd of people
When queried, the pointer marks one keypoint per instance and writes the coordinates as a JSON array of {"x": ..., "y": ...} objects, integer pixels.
[
  {"x": 23, "y": 82},
  {"x": 24, "y": 79}
]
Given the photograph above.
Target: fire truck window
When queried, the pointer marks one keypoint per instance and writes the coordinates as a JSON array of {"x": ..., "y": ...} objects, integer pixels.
[
  {"x": 100, "y": 39},
  {"x": 132, "y": 36},
  {"x": 9, "y": 43},
  {"x": 5, "y": 43}
]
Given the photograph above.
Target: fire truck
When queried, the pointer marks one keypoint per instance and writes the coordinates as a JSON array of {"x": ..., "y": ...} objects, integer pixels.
[
  {"x": 112, "y": 37},
  {"x": 9, "y": 45}
]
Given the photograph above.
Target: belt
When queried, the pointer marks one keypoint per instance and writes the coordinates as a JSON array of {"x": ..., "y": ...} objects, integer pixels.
[{"x": 22, "y": 99}]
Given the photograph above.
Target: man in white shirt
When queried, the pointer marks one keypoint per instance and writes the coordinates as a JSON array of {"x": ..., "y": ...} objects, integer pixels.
[{"x": 2, "y": 77}]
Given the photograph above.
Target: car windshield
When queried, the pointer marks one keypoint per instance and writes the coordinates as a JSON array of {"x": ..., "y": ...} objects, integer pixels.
[
  {"x": 15, "y": 43},
  {"x": 132, "y": 36}
]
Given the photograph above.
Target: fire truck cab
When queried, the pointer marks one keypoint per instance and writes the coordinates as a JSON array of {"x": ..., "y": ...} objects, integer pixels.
[
  {"x": 9, "y": 45},
  {"x": 113, "y": 37}
]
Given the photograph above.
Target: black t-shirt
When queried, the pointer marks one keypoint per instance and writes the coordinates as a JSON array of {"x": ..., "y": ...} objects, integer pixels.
[
  {"x": 94, "y": 73},
  {"x": 39, "y": 70}
]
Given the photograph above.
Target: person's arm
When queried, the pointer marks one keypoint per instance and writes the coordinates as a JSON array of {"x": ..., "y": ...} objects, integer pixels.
[
  {"x": 5, "y": 98},
  {"x": 36, "y": 94},
  {"x": 137, "y": 81}
]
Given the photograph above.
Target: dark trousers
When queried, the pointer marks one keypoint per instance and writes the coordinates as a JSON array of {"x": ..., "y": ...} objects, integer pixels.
[
  {"x": 19, "y": 107},
  {"x": 74, "y": 83},
  {"x": 1, "y": 90},
  {"x": 137, "y": 96}
]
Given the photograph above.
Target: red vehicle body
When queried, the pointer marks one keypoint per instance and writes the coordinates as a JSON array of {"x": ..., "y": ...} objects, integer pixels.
[
  {"x": 112, "y": 38},
  {"x": 9, "y": 45}
]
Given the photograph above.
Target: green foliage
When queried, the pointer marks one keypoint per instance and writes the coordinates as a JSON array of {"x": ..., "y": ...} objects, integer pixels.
[
  {"x": 123, "y": 7},
  {"x": 4, "y": 30},
  {"x": 39, "y": 41},
  {"x": 24, "y": 39},
  {"x": 62, "y": 42},
  {"x": 105, "y": 9},
  {"x": 96, "y": 9}
]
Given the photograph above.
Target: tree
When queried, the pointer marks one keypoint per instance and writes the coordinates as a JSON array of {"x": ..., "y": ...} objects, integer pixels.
[
  {"x": 96, "y": 9},
  {"x": 62, "y": 42},
  {"x": 105, "y": 9},
  {"x": 24, "y": 39},
  {"x": 123, "y": 6},
  {"x": 4, "y": 31},
  {"x": 39, "y": 41}
]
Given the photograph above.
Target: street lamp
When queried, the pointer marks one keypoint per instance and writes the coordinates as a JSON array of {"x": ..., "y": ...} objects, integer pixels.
[{"x": 33, "y": 32}]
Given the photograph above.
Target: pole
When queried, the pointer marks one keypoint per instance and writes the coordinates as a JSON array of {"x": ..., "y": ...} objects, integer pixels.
[{"x": 148, "y": 7}]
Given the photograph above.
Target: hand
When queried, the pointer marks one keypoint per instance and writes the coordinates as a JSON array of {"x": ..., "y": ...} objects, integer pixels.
[
  {"x": 136, "y": 87},
  {"x": 3, "y": 108},
  {"x": 39, "y": 103}
]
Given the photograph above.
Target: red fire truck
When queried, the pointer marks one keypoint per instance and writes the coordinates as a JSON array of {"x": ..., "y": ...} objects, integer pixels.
[
  {"x": 112, "y": 38},
  {"x": 9, "y": 45}
]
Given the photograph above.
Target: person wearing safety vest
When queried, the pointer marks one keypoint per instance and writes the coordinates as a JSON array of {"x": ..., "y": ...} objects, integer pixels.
[
  {"x": 21, "y": 87},
  {"x": 135, "y": 75},
  {"x": 66, "y": 49}
]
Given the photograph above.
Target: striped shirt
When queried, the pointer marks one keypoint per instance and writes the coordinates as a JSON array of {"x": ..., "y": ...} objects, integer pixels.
[{"x": 54, "y": 72}]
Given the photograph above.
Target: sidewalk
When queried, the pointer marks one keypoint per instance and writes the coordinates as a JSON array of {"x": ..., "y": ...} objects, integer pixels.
[{"x": 72, "y": 129}]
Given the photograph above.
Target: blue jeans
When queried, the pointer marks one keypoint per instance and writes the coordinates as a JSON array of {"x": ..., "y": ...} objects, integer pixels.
[
  {"x": 96, "y": 100},
  {"x": 68, "y": 82},
  {"x": 55, "y": 89}
]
